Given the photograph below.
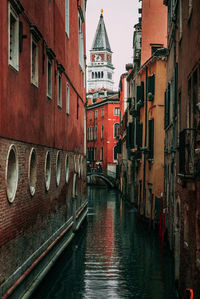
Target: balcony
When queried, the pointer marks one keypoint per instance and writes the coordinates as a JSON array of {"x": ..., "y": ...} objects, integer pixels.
[{"x": 187, "y": 140}]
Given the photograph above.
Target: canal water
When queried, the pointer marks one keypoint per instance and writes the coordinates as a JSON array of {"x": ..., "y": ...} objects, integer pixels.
[{"x": 113, "y": 256}]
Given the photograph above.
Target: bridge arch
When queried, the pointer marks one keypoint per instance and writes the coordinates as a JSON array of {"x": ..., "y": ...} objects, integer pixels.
[{"x": 102, "y": 176}]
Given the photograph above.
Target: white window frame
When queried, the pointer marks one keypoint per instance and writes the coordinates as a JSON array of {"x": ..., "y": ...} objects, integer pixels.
[
  {"x": 118, "y": 111},
  {"x": 13, "y": 60},
  {"x": 67, "y": 17},
  {"x": 116, "y": 125},
  {"x": 34, "y": 79},
  {"x": 67, "y": 98},
  {"x": 59, "y": 89},
  {"x": 51, "y": 80}
]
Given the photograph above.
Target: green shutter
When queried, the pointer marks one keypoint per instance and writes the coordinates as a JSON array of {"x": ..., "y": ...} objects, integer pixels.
[
  {"x": 151, "y": 87},
  {"x": 151, "y": 138}
]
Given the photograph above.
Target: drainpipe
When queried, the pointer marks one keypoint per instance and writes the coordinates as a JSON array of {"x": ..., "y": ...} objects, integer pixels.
[{"x": 145, "y": 145}]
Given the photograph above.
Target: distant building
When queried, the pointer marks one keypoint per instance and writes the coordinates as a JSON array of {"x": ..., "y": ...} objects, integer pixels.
[
  {"x": 103, "y": 105},
  {"x": 100, "y": 68},
  {"x": 42, "y": 143}
]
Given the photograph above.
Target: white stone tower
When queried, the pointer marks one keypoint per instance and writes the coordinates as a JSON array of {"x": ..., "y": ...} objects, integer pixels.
[{"x": 100, "y": 68}]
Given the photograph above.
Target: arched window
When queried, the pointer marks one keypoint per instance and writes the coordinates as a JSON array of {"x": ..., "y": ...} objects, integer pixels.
[
  {"x": 95, "y": 75},
  {"x": 116, "y": 130},
  {"x": 101, "y": 74},
  {"x": 98, "y": 74},
  {"x": 92, "y": 75},
  {"x": 115, "y": 153},
  {"x": 32, "y": 174},
  {"x": 102, "y": 131}
]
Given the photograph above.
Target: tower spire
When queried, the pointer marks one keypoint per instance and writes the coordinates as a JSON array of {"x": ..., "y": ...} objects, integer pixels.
[{"x": 101, "y": 41}]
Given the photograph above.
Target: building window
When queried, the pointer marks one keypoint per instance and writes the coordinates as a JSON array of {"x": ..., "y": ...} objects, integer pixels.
[
  {"x": 90, "y": 115},
  {"x": 180, "y": 19},
  {"x": 67, "y": 17},
  {"x": 95, "y": 114},
  {"x": 80, "y": 42},
  {"x": 102, "y": 131},
  {"x": 116, "y": 130},
  {"x": 92, "y": 75},
  {"x": 49, "y": 78},
  {"x": 101, "y": 74},
  {"x": 13, "y": 37},
  {"x": 67, "y": 169},
  {"x": 74, "y": 190},
  {"x": 11, "y": 173},
  {"x": 109, "y": 76},
  {"x": 117, "y": 111},
  {"x": 95, "y": 154},
  {"x": 190, "y": 7},
  {"x": 102, "y": 112},
  {"x": 67, "y": 100},
  {"x": 59, "y": 89},
  {"x": 32, "y": 171},
  {"x": 34, "y": 62},
  {"x": 58, "y": 168},
  {"x": 101, "y": 154},
  {"x": 47, "y": 170},
  {"x": 115, "y": 153}
]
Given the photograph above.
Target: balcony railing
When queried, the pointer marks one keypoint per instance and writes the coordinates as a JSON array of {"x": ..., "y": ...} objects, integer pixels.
[{"x": 187, "y": 153}]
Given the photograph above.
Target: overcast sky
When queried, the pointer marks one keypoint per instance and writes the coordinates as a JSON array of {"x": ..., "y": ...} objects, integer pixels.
[{"x": 120, "y": 16}]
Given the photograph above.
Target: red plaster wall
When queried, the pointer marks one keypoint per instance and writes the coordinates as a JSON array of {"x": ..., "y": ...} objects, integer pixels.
[{"x": 26, "y": 114}]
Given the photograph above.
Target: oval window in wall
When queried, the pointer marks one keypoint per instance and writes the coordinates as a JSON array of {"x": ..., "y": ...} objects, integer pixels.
[
  {"x": 47, "y": 170},
  {"x": 79, "y": 166},
  {"x": 74, "y": 190},
  {"x": 32, "y": 171},
  {"x": 58, "y": 168},
  {"x": 67, "y": 169},
  {"x": 11, "y": 173}
]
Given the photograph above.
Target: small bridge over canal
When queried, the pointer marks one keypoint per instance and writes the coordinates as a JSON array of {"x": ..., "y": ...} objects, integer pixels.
[{"x": 109, "y": 178}]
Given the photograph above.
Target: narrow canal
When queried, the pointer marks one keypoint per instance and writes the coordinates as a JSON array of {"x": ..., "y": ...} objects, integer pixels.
[{"x": 114, "y": 256}]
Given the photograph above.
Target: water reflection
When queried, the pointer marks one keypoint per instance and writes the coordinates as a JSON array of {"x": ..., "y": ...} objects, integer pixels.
[{"x": 114, "y": 257}]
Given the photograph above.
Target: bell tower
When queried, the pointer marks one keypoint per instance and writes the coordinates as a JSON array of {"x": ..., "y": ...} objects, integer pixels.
[{"x": 100, "y": 68}]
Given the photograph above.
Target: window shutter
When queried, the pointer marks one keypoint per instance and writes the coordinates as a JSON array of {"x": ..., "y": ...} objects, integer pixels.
[
  {"x": 138, "y": 93},
  {"x": 142, "y": 92},
  {"x": 165, "y": 109},
  {"x": 168, "y": 103},
  {"x": 139, "y": 133},
  {"x": 151, "y": 87},
  {"x": 151, "y": 138},
  {"x": 176, "y": 89},
  {"x": 127, "y": 136},
  {"x": 131, "y": 135}
]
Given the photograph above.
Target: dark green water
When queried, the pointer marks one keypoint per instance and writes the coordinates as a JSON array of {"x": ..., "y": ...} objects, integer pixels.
[{"x": 114, "y": 256}]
